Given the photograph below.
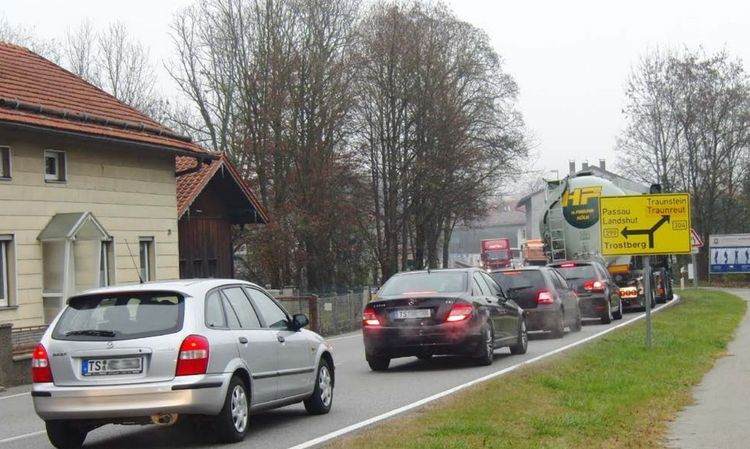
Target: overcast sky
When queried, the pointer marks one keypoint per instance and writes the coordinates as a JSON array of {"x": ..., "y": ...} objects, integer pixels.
[{"x": 570, "y": 59}]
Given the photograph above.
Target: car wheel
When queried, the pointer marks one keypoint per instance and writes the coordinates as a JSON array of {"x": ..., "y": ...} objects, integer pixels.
[
  {"x": 618, "y": 315},
  {"x": 577, "y": 324},
  {"x": 319, "y": 403},
  {"x": 607, "y": 316},
  {"x": 558, "y": 331},
  {"x": 232, "y": 422},
  {"x": 378, "y": 363},
  {"x": 522, "y": 341},
  {"x": 486, "y": 351},
  {"x": 65, "y": 434}
]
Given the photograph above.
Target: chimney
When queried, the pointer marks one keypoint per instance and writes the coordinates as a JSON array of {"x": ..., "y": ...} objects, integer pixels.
[
  {"x": 602, "y": 164},
  {"x": 585, "y": 165},
  {"x": 572, "y": 167}
]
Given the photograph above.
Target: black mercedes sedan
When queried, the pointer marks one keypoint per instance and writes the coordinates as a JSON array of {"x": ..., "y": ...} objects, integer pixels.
[{"x": 441, "y": 312}]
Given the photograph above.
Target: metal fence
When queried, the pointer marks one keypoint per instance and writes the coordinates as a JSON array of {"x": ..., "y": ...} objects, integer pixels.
[{"x": 332, "y": 313}]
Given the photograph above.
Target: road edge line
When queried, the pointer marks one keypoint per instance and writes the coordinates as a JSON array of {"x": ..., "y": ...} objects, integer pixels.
[{"x": 356, "y": 426}]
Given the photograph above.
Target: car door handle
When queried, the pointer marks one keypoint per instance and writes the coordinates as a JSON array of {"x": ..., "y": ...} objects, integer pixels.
[
  {"x": 280, "y": 338},
  {"x": 243, "y": 340}
]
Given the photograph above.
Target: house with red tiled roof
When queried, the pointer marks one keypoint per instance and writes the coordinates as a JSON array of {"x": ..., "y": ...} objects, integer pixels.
[
  {"x": 88, "y": 189},
  {"x": 210, "y": 201}
]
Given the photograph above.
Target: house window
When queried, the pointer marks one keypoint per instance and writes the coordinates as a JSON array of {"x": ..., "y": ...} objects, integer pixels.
[
  {"x": 54, "y": 166},
  {"x": 106, "y": 264},
  {"x": 146, "y": 245},
  {"x": 6, "y": 250},
  {"x": 5, "y": 163}
]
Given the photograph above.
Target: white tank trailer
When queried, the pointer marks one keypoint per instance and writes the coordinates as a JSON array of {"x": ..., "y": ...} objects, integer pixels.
[{"x": 570, "y": 230}]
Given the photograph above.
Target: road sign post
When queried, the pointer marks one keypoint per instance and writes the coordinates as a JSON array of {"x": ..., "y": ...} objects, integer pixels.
[{"x": 645, "y": 225}]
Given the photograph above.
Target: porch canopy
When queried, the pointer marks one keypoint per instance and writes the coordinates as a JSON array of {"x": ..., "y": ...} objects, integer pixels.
[{"x": 72, "y": 258}]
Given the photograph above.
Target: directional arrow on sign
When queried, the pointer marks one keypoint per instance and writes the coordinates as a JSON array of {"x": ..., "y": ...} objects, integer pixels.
[{"x": 649, "y": 232}]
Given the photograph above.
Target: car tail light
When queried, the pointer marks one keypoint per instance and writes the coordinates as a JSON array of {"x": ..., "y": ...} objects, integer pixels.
[
  {"x": 459, "y": 312},
  {"x": 369, "y": 318},
  {"x": 544, "y": 297},
  {"x": 594, "y": 286},
  {"x": 193, "y": 358},
  {"x": 40, "y": 369},
  {"x": 567, "y": 265}
]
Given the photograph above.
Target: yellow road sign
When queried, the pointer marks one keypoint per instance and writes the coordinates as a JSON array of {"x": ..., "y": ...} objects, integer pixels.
[{"x": 645, "y": 224}]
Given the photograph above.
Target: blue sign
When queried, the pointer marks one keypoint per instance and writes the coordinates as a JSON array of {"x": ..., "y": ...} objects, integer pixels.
[{"x": 729, "y": 259}]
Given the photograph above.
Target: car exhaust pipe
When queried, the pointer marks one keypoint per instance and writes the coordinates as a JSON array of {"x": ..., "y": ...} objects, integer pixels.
[{"x": 164, "y": 419}]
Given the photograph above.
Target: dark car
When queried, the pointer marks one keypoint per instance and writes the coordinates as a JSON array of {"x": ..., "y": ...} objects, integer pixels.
[
  {"x": 441, "y": 312},
  {"x": 598, "y": 296},
  {"x": 549, "y": 302}
]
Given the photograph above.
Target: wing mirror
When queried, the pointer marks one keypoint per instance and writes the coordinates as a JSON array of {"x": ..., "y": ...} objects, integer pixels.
[
  {"x": 299, "y": 321},
  {"x": 513, "y": 294}
]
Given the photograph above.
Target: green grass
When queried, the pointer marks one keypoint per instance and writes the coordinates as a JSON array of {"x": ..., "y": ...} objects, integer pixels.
[{"x": 611, "y": 393}]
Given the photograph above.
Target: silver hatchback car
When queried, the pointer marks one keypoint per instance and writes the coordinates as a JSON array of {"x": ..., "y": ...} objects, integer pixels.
[{"x": 209, "y": 350}]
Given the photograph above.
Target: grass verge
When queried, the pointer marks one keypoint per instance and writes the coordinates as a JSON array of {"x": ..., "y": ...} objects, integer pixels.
[{"x": 612, "y": 393}]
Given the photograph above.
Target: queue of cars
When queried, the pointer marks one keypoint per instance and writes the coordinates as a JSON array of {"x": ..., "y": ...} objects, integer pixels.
[
  {"x": 471, "y": 312},
  {"x": 214, "y": 351}
]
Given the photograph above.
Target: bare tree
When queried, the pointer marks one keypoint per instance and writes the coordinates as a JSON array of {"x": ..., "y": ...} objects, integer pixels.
[
  {"x": 689, "y": 127},
  {"x": 81, "y": 52},
  {"x": 25, "y": 37}
]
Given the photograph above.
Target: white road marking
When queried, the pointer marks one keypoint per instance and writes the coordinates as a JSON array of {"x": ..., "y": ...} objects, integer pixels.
[
  {"x": 14, "y": 396},
  {"x": 21, "y": 437},
  {"x": 413, "y": 405},
  {"x": 359, "y": 334}
]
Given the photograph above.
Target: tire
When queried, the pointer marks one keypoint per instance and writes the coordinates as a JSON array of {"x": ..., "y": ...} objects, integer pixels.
[
  {"x": 319, "y": 403},
  {"x": 486, "y": 350},
  {"x": 558, "y": 331},
  {"x": 522, "y": 341},
  {"x": 378, "y": 363},
  {"x": 618, "y": 315},
  {"x": 232, "y": 422},
  {"x": 577, "y": 324},
  {"x": 607, "y": 317},
  {"x": 65, "y": 434}
]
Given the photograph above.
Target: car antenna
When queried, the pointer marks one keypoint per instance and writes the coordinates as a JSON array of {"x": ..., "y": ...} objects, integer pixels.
[{"x": 137, "y": 271}]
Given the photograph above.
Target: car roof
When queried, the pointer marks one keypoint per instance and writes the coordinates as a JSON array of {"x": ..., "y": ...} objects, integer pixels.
[{"x": 187, "y": 287}]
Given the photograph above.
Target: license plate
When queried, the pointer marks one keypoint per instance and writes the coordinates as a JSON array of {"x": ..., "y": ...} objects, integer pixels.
[
  {"x": 629, "y": 293},
  {"x": 411, "y": 314},
  {"x": 108, "y": 367}
]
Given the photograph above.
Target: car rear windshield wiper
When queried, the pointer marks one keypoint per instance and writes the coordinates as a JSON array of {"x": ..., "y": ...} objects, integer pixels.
[{"x": 92, "y": 333}]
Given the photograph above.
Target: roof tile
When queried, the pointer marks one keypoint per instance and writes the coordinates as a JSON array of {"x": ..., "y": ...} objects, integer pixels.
[{"x": 28, "y": 78}]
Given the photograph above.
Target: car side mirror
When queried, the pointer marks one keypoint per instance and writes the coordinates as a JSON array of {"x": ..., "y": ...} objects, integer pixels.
[
  {"x": 299, "y": 321},
  {"x": 513, "y": 294}
]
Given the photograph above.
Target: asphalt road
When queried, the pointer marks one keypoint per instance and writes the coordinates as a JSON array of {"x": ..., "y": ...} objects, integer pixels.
[{"x": 360, "y": 395}]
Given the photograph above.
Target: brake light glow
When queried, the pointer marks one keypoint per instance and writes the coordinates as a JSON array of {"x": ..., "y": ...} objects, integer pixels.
[
  {"x": 369, "y": 318},
  {"x": 40, "y": 369},
  {"x": 594, "y": 286},
  {"x": 459, "y": 312},
  {"x": 544, "y": 297},
  {"x": 568, "y": 265},
  {"x": 193, "y": 357}
]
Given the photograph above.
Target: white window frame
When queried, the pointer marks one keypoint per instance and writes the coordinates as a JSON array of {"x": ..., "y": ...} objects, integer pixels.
[
  {"x": 3, "y": 168},
  {"x": 147, "y": 272},
  {"x": 8, "y": 270},
  {"x": 61, "y": 168}
]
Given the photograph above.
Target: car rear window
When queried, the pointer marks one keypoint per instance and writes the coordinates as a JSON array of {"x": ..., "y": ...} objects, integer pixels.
[
  {"x": 121, "y": 316},
  {"x": 577, "y": 272},
  {"x": 425, "y": 283},
  {"x": 519, "y": 279}
]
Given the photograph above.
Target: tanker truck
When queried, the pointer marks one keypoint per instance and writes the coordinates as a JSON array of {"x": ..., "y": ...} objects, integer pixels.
[{"x": 570, "y": 230}]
